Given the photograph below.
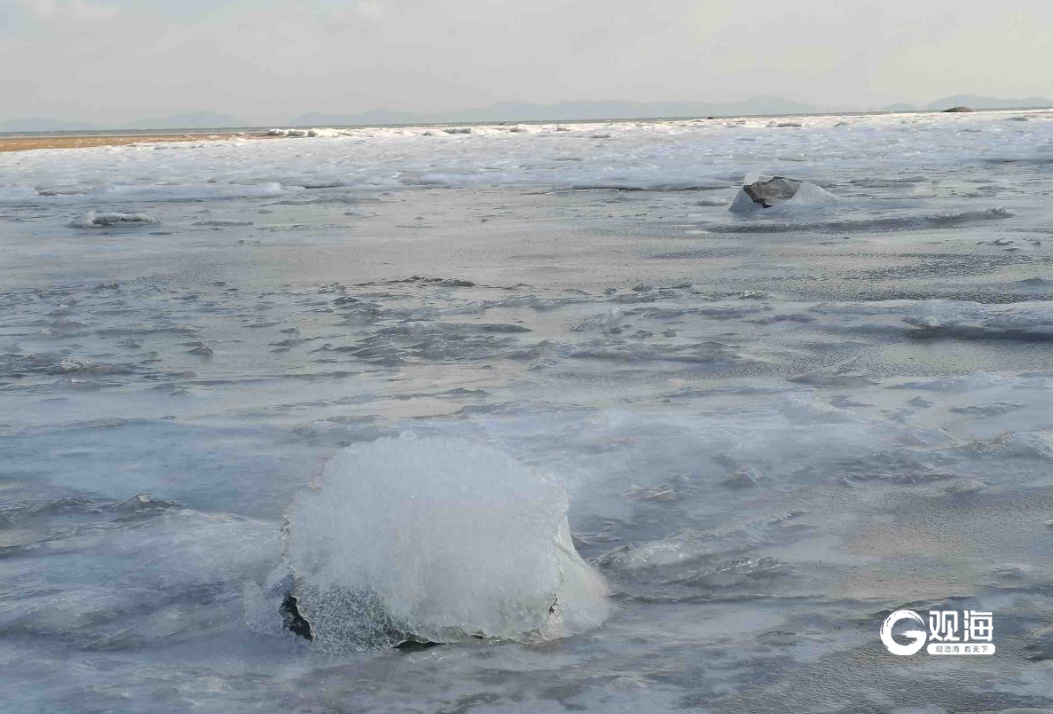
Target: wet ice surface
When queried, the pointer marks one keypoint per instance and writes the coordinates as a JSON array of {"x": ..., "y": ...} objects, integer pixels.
[{"x": 774, "y": 427}]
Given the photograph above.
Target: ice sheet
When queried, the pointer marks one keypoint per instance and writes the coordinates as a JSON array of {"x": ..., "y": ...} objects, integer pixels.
[{"x": 765, "y": 430}]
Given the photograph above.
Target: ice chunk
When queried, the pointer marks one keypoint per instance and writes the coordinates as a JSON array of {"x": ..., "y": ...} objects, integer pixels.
[
  {"x": 809, "y": 193},
  {"x": 602, "y": 322},
  {"x": 765, "y": 192},
  {"x": 1028, "y": 321},
  {"x": 91, "y": 219},
  {"x": 436, "y": 540}
]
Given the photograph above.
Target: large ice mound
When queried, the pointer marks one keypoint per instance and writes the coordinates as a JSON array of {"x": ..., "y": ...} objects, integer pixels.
[{"x": 436, "y": 540}]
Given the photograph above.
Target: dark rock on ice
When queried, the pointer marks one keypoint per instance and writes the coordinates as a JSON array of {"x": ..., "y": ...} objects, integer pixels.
[
  {"x": 957, "y": 110},
  {"x": 768, "y": 193},
  {"x": 292, "y": 620},
  {"x": 414, "y": 645}
]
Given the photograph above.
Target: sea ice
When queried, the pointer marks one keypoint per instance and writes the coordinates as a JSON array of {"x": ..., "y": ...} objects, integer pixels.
[{"x": 757, "y": 480}]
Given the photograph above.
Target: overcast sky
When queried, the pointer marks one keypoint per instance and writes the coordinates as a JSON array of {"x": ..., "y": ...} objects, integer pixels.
[{"x": 268, "y": 60}]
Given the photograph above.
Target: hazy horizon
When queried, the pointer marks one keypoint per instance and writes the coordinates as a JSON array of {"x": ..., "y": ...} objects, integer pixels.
[
  {"x": 518, "y": 112},
  {"x": 111, "y": 62}
]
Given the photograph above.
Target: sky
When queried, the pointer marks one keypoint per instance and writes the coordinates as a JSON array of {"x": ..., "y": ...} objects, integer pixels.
[{"x": 114, "y": 61}]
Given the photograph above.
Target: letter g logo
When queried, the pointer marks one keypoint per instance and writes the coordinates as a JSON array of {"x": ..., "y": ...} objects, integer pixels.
[{"x": 917, "y": 637}]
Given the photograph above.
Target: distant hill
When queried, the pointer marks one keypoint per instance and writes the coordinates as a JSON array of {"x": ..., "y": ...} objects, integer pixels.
[
  {"x": 976, "y": 102},
  {"x": 565, "y": 111},
  {"x": 973, "y": 101}
]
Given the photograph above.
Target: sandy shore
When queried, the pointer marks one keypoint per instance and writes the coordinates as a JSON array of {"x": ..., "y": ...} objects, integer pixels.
[{"x": 29, "y": 143}]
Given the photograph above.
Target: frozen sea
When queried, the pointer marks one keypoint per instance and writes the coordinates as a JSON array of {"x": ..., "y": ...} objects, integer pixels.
[{"x": 772, "y": 428}]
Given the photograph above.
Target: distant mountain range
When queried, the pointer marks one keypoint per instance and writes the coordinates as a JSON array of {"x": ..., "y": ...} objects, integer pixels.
[
  {"x": 193, "y": 120},
  {"x": 518, "y": 112}
]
